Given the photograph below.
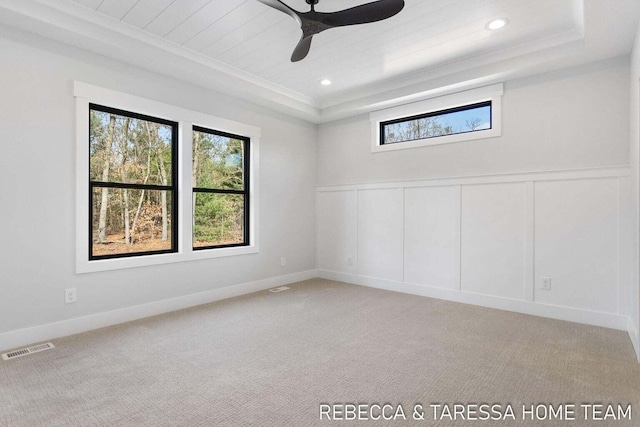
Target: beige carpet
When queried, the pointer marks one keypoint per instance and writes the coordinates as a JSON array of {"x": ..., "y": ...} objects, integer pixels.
[{"x": 271, "y": 359}]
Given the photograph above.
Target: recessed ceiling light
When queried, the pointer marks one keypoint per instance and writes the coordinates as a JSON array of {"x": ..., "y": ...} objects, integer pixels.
[
  {"x": 325, "y": 82},
  {"x": 496, "y": 24}
]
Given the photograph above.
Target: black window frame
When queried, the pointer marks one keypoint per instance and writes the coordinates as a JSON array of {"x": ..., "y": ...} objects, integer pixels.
[
  {"x": 246, "y": 168},
  {"x": 173, "y": 188},
  {"x": 465, "y": 107}
]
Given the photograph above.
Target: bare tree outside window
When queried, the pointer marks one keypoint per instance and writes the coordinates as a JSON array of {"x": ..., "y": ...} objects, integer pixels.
[
  {"x": 131, "y": 179},
  {"x": 471, "y": 118}
]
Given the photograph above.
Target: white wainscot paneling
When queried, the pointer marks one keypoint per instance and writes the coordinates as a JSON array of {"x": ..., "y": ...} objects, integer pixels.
[
  {"x": 493, "y": 240},
  {"x": 380, "y": 228},
  {"x": 489, "y": 240},
  {"x": 576, "y": 243},
  {"x": 432, "y": 221},
  {"x": 337, "y": 231}
]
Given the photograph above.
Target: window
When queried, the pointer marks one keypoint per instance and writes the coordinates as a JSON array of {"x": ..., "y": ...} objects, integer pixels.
[
  {"x": 220, "y": 189},
  {"x": 468, "y": 118},
  {"x": 132, "y": 184},
  {"x": 152, "y": 187},
  {"x": 462, "y": 116}
]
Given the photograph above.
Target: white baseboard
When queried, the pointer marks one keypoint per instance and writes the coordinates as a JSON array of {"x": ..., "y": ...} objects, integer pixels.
[
  {"x": 22, "y": 337},
  {"x": 632, "y": 329},
  {"x": 606, "y": 320}
]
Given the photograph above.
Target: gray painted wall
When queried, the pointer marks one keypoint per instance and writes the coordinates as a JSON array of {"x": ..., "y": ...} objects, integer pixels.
[
  {"x": 568, "y": 119},
  {"x": 37, "y": 179}
]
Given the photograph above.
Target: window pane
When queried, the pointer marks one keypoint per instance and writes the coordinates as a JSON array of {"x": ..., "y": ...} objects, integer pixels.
[
  {"x": 129, "y": 150},
  {"x": 218, "y": 219},
  {"x": 448, "y": 123},
  {"x": 126, "y": 221},
  {"x": 218, "y": 161}
]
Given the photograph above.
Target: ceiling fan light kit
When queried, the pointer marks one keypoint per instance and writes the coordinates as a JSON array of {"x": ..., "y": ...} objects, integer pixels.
[{"x": 313, "y": 22}]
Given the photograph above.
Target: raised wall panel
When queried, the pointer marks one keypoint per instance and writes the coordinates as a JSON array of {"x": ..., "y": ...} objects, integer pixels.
[
  {"x": 628, "y": 292},
  {"x": 380, "y": 234},
  {"x": 337, "y": 231},
  {"x": 431, "y": 216},
  {"x": 493, "y": 240},
  {"x": 576, "y": 243},
  {"x": 490, "y": 240}
]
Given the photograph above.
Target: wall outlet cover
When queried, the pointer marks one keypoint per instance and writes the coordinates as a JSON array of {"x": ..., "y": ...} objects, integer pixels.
[{"x": 70, "y": 295}]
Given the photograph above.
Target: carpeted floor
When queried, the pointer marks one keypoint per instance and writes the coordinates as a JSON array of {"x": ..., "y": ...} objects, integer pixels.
[{"x": 272, "y": 359}]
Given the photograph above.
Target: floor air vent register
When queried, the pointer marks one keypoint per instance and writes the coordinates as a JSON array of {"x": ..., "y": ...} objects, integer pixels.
[{"x": 27, "y": 351}]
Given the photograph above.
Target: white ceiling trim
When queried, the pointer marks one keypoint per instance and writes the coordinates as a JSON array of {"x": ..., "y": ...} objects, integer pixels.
[
  {"x": 81, "y": 27},
  {"x": 539, "y": 46},
  {"x": 76, "y": 25},
  {"x": 556, "y": 52},
  {"x": 117, "y": 27}
]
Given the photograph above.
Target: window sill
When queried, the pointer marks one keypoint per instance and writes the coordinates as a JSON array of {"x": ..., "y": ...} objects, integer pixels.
[
  {"x": 85, "y": 266},
  {"x": 448, "y": 139}
]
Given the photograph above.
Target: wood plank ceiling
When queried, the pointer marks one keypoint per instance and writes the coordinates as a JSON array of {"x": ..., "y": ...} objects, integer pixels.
[{"x": 249, "y": 36}]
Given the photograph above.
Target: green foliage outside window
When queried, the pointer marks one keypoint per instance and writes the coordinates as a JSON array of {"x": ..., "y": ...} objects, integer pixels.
[{"x": 218, "y": 164}]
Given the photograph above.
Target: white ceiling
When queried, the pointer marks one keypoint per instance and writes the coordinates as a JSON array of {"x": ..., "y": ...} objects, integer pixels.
[
  {"x": 244, "y": 46},
  {"x": 259, "y": 40}
]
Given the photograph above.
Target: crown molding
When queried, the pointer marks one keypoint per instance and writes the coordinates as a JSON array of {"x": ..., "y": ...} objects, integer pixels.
[{"x": 81, "y": 27}]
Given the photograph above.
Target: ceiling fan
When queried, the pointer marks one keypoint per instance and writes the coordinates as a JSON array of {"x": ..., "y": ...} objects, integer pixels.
[{"x": 313, "y": 22}]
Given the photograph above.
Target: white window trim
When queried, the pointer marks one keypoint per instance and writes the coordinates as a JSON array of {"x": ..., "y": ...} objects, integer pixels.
[
  {"x": 86, "y": 94},
  {"x": 489, "y": 93}
]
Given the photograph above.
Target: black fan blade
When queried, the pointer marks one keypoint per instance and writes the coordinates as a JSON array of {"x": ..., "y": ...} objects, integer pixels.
[
  {"x": 278, "y": 5},
  {"x": 370, "y": 12},
  {"x": 302, "y": 49},
  {"x": 315, "y": 22}
]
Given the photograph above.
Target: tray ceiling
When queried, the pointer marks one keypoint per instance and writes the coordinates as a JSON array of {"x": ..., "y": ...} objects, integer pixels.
[
  {"x": 437, "y": 41},
  {"x": 248, "y": 35}
]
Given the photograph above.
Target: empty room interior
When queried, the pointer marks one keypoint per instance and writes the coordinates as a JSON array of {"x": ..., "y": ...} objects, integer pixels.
[{"x": 319, "y": 212}]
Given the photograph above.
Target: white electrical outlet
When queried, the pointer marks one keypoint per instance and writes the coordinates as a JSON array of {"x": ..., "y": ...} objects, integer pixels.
[
  {"x": 70, "y": 295},
  {"x": 283, "y": 261},
  {"x": 546, "y": 283},
  {"x": 349, "y": 261}
]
